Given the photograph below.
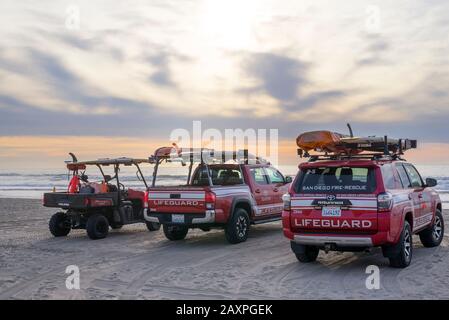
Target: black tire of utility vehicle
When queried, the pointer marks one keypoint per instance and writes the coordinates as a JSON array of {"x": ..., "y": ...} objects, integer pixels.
[
  {"x": 432, "y": 236},
  {"x": 310, "y": 254},
  {"x": 153, "y": 226},
  {"x": 97, "y": 226},
  {"x": 58, "y": 225},
  {"x": 175, "y": 233},
  {"x": 404, "y": 248},
  {"x": 237, "y": 229}
]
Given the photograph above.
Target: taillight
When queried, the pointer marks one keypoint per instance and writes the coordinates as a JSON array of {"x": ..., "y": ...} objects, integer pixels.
[
  {"x": 145, "y": 200},
  {"x": 286, "y": 199},
  {"x": 384, "y": 201},
  {"x": 210, "y": 200}
]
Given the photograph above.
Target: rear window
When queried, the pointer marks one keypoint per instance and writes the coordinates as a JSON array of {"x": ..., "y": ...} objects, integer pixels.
[
  {"x": 336, "y": 180},
  {"x": 220, "y": 176}
]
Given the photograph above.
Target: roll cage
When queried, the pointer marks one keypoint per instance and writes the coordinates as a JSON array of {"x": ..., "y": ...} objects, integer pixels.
[{"x": 74, "y": 166}]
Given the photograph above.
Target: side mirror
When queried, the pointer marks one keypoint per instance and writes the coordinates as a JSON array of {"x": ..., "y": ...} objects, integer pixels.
[
  {"x": 288, "y": 179},
  {"x": 430, "y": 182}
]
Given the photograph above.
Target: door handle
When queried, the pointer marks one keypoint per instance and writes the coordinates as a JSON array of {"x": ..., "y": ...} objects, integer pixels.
[
  {"x": 257, "y": 191},
  {"x": 275, "y": 189},
  {"x": 420, "y": 195}
]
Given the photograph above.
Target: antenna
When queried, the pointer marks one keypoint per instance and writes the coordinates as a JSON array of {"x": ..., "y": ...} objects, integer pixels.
[
  {"x": 74, "y": 159},
  {"x": 386, "y": 145},
  {"x": 350, "y": 130}
]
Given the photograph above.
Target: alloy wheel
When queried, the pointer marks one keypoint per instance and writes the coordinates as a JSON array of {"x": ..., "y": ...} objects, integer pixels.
[
  {"x": 407, "y": 244},
  {"x": 437, "y": 228},
  {"x": 241, "y": 226}
]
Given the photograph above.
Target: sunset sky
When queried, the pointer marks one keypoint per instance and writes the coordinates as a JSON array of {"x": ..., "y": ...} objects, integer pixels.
[{"x": 112, "y": 78}]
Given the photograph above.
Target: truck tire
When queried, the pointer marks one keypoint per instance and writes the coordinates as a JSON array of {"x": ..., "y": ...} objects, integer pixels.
[
  {"x": 97, "y": 226},
  {"x": 153, "y": 226},
  {"x": 58, "y": 225},
  {"x": 432, "y": 236},
  {"x": 309, "y": 255},
  {"x": 404, "y": 248},
  {"x": 175, "y": 233},
  {"x": 237, "y": 229}
]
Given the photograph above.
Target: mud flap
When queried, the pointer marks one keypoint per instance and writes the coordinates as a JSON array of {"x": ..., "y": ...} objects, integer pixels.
[
  {"x": 391, "y": 251},
  {"x": 297, "y": 248},
  {"x": 116, "y": 216}
]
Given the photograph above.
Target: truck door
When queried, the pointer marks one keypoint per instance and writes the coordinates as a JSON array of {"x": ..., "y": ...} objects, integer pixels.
[
  {"x": 278, "y": 188},
  {"x": 262, "y": 191},
  {"x": 421, "y": 197}
]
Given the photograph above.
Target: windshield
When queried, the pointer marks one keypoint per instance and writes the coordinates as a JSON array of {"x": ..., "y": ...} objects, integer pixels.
[{"x": 336, "y": 180}]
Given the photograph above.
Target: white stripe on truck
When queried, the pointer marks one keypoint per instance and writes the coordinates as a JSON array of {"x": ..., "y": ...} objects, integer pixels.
[
  {"x": 298, "y": 202},
  {"x": 183, "y": 195}
]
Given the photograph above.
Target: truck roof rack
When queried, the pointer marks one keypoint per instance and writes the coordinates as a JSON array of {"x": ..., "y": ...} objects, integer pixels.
[{"x": 204, "y": 155}]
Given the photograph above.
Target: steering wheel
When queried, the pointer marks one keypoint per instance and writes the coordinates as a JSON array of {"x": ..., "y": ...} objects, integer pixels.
[{"x": 122, "y": 187}]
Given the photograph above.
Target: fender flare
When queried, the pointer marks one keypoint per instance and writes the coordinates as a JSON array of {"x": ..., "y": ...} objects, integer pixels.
[{"x": 239, "y": 200}]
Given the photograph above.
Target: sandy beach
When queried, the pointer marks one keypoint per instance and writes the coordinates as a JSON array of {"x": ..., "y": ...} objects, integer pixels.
[{"x": 135, "y": 264}]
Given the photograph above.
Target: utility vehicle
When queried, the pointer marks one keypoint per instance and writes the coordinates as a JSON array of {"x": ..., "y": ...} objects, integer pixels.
[{"x": 98, "y": 206}]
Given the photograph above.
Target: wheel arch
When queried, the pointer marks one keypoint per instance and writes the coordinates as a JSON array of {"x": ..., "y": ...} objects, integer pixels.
[
  {"x": 241, "y": 203},
  {"x": 409, "y": 218}
]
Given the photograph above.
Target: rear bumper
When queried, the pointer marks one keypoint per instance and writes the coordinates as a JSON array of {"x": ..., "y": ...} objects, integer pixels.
[
  {"x": 339, "y": 241},
  {"x": 208, "y": 217}
]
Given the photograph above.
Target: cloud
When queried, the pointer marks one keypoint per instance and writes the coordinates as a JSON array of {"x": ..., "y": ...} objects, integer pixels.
[
  {"x": 162, "y": 75},
  {"x": 279, "y": 76},
  {"x": 375, "y": 51},
  {"x": 148, "y": 69}
]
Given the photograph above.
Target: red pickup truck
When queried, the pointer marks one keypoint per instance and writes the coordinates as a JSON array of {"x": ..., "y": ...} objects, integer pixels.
[
  {"x": 352, "y": 204},
  {"x": 228, "y": 196}
]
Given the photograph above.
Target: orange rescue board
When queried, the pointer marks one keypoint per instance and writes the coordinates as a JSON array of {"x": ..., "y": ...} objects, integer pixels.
[{"x": 326, "y": 141}]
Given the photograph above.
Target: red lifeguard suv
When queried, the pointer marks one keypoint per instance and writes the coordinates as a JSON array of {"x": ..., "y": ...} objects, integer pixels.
[{"x": 358, "y": 193}]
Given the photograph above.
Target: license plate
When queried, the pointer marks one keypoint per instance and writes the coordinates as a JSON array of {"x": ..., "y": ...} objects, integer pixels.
[
  {"x": 331, "y": 212},
  {"x": 177, "y": 218}
]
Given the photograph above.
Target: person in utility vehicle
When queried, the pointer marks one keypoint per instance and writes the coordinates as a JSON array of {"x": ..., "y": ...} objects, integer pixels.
[
  {"x": 230, "y": 195},
  {"x": 358, "y": 193}
]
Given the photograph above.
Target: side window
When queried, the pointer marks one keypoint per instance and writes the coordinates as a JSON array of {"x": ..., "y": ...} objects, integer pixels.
[
  {"x": 388, "y": 176},
  {"x": 403, "y": 176},
  {"x": 274, "y": 175},
  {"x": 415, "y": 178},
  {"x": 258, "y": 175}
]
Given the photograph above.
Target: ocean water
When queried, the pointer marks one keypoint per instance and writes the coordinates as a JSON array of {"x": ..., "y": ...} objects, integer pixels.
[{"x": 33, "y": 183}]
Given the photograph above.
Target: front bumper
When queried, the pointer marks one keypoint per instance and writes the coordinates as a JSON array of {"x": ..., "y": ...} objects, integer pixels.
[{"x": 208, "y": 217}]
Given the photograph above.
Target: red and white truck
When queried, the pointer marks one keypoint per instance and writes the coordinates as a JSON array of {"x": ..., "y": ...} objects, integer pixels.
[
  {"x": 348, "y": 200},
  {"x": 217, "y": 194}
]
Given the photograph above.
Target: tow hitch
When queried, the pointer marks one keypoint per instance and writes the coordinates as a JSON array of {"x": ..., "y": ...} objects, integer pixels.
[{"x": 328, "y": 247}]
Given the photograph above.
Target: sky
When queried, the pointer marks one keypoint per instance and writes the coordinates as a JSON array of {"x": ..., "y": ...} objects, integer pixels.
[{"x": 112, "y": 78}]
